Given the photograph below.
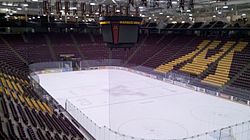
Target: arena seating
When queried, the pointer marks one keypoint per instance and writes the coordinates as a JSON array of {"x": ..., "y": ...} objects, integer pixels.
[
  {"x": 170, "y": 65},
  {"x": 222, "y": 63},
  {"x": 168, "y": 51},
  {"x": 221, "y": 75},
  {"x": 33, "y": 117}
]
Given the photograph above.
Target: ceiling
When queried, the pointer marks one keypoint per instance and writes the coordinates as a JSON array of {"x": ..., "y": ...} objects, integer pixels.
[{"x": 156, "y": 10}]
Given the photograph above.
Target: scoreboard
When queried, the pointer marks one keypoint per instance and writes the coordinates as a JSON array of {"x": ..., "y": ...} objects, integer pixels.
[{"x": 120, "y": 31}]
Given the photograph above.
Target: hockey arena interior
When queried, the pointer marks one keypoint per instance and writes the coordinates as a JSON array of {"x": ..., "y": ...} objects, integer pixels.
[{"x": 124, "y": 70}]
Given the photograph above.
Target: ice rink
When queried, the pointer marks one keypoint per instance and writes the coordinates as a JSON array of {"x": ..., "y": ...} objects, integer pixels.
[{"x": 140, "y": 106}]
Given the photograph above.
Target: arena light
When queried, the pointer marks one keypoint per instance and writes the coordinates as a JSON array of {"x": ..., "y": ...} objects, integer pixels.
[
  {"x": 35, "y": 0},
  {"x": 219, "y": 12},
  {"x": 38, "y": 17},
  {"x": 183, "y": 22},
  {"x": 174, "y": 22},
  {"x": 212, "y": 1},
  {"x": 161, "y": 13},
  {"x": 118, "y": 11},
  {"x": 243, "y": 14},
  {"x": 225, "y": 7},
  {"x": 174, "y": 2},
  {"x": 190, "y": 15},
  {"x": 168, "y": 16},
  {"x": 214, "y": 16},
  {"x": 72, "y": 8},
  {"x": 10, "y": 4},
  {"x": 188, "y": 10},
  {"x": 18, "y": 8},
  {"x": 25, "y": 5},
  {"x": 92, "y": 3}
]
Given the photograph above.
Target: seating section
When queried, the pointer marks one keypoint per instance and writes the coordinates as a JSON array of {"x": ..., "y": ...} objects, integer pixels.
[
  {"x": 221, "y": 75},
  {"x": 62, "y": 44},
  {"x": 202, "y": 61},
  {"x": 243, "y": 81},
  {"x": 25, "y": 115},
  {"x": 173, "y": 45},
  {"x": 170, "y": 65}
]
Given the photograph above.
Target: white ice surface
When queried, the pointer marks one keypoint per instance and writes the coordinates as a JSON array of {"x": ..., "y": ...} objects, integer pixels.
[{"x": 140, "y": 106}]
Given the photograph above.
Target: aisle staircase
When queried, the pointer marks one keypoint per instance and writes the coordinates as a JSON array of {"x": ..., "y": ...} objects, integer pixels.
[{"x": 52, "y": 52}]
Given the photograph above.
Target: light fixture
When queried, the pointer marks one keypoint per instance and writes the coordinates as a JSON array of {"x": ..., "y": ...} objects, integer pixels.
[
  {"x": 73, "y": 8},
  {"x": 214, "y": 16},
  {"x": 25, "y": 5},
  {"x": 182, "y": 21},
  {"x": 160, "y": 13},
  {"x": 174, "y": 2},
  {"x": 18, "y": 8},
  {"x": 10, "y": 4},
  {"x": 38, "y": 17},
  {"x": 225, "y": 7}
]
